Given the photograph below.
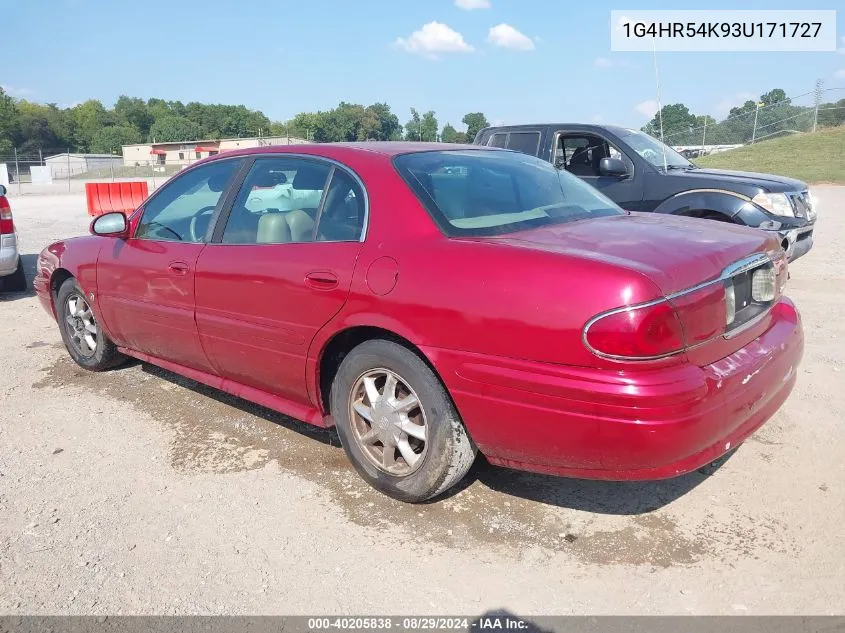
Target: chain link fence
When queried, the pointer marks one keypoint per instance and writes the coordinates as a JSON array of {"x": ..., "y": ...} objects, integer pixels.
[
  {"x": 802, "y": 113},
  {"x": 68, "y": 171}
]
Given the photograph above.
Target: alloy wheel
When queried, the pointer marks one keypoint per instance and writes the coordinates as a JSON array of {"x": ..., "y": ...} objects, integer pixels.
[
  {"x": 81, "y": 325},
  {"x": 388, "y": 422}
]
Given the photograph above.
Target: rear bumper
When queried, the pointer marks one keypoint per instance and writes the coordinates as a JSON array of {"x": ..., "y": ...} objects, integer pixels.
[
  {"x": 8, "y": 254},
  {"x": 619, "y": 425}
]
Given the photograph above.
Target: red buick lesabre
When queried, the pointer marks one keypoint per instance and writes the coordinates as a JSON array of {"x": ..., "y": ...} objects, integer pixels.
[{"x": 432, "y": 301}]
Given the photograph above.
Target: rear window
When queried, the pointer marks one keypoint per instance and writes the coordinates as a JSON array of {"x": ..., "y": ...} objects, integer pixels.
[{"x": 489, "y": 192}]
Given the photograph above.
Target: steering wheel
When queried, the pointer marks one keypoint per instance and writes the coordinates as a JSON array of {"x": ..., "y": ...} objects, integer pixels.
[{"x": 197, "y": 236}]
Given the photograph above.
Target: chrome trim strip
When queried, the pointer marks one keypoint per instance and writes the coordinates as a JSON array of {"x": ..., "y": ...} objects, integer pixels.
[
  {"x": 738, "y": 267},
  {"x": 725, "y": 191}
]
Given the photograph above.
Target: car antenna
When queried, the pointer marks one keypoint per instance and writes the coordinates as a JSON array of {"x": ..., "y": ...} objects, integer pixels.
[{"x": 659, "y": 105}]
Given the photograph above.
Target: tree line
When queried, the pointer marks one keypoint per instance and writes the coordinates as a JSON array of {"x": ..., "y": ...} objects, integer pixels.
[
  {"x": 775, "y": 114},
  {"x": 30, "y": 127}
]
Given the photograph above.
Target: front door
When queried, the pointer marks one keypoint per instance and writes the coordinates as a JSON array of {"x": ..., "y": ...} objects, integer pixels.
[
  {"x": 580, "y": 154},
  {"x": 146, "y": 282},
  {"x": 279, "y": 268}
]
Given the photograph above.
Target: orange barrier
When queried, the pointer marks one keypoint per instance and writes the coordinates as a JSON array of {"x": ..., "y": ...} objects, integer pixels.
[{"x": 105, "y": 197}]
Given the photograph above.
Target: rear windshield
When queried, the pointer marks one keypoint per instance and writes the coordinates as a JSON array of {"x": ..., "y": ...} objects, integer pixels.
[{"x": 489, "y": 192}]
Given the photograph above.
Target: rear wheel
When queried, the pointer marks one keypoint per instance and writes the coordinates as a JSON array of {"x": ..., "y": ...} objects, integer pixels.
[
  {"x": 16, "y": 282},
  {"x": 84, "y": 339},
  {"x": 397, "y": 424}
]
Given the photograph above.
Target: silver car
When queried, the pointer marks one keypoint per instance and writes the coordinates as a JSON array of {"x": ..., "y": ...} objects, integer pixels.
[{"x": 12, "y": 277}]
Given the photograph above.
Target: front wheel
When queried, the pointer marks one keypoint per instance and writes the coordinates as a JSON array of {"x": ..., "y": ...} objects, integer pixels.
[
  {"x": 397, "y": 424},
  {"x": 84, "y": 339}
]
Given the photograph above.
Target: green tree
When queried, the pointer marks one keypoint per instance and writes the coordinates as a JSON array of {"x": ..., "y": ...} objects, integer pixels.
[
  {"x": 133, "y": 112},
  {"x": 89, "y": 117},
  {"x": 110, "y": 140},
  {"x": 449, "y": 134},
  {"x": 174, "y": 128},
  {"x": 429, "y": 127},
  {"x": 413, "y": 128},
  {"x": 388, "y": 123},
  {"x": 678, "y": 123},
  {"x": 475, "y": 122},
  {"x": 8, "y": 122},
  {"x": 773, "y": 96}
]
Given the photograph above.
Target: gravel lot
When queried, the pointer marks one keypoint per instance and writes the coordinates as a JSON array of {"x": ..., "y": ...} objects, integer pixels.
[{"x": 137, "y": 491}]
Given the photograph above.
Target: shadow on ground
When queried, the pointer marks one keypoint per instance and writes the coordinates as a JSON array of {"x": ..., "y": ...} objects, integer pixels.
[{"x": 29, "y": 262}]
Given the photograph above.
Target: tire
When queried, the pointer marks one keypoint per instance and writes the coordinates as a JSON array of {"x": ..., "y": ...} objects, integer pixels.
[
  {"x": 444, "y": 451},
  {"x": 16, "y": 282},
  {"x": 79, "y": 337}
]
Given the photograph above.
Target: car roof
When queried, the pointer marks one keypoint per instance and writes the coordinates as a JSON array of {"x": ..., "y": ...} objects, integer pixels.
[
  {"x": 385, "y": 148},
  {"x": 617, "y": 129}
]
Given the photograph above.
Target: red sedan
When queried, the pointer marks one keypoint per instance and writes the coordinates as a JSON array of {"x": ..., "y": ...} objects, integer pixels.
[{"x": 432, "y": 301}]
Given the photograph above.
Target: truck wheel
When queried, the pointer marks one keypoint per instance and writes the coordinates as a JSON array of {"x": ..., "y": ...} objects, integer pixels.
[
  {"x": 16, "y": 282},
  {"x": 397, "y": 424},
  {"x": 84, "y": 339}
]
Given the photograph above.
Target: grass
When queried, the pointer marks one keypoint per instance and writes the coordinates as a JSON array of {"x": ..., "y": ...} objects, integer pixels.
[
  {"x": 815, "y": 158},
  {"x": 128, "y": 171}
]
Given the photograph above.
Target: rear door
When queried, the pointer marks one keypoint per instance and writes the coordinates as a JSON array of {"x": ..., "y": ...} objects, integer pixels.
[
  {"x": 146, "y": 282},
  {"x": 279, "y": 267},
  {"x": 580, "y": 153}
]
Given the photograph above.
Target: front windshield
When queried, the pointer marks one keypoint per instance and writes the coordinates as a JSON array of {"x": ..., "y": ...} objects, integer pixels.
[
  {"x": 489, "y": 192},
  {"x": 652, "y": 150}
]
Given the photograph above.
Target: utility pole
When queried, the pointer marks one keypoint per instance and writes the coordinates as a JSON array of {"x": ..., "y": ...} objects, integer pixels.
[
  {"x": 17, "y": 171},
  {"x": 818, "y": 99},
  {"x": 754, "y": 131},
  {"x": 704, "y": 135}
]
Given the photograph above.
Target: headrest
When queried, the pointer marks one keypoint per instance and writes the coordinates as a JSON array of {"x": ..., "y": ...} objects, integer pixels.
[
  {"x": 310, "y": 177},
  {"x": 270, "y": 179},
  {"x": 217, "y": 182}
]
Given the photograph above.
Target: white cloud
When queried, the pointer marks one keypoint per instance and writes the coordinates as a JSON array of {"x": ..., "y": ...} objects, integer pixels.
[
  {"x": 724, "y": 106},
  {"x": 506, "y": 36},
  {"x": 598, "y": 118},
  {"x": 469, "y": 5},
  {"x": 434, "y": 38},
  {"x": 647, "y": 108},
  {"x": 17, "y": 92},
  {"x": 603, "y": 62},
  {"x": 840, "y": 74}
]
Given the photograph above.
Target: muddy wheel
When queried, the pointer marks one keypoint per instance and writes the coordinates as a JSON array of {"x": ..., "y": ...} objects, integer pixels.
[
  {"x": 397, "y": 424},
  {"x": 16, "y": 282},
  {"x": 84, "y": 339}
]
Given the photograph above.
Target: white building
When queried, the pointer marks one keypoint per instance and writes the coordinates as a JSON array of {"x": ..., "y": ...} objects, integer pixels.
[
  {"x": 64, "y": 165},
  {"x": 187, "y": 152}
]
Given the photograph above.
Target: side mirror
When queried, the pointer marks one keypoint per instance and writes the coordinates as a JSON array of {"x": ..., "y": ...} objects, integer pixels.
[
  {"x": 110, "y": 225},
  {"x": 2, "y": 190},
  {"x": 613, "y": 167}
]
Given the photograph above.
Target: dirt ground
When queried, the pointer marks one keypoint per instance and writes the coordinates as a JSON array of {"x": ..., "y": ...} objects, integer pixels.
[{"x": 137, "y": 491}]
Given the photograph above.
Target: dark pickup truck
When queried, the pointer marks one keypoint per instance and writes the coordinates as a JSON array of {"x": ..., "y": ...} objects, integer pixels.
[{"x": 640, "y": 173}]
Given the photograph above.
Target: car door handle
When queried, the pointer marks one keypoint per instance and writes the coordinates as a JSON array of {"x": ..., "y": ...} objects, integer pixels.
[
  {"x": 321, "y": 280},
  {"x": 179, "y": 268}
]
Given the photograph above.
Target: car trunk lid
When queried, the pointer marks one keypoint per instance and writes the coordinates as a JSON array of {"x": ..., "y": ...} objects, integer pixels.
[{"x": 675, "y": 253}]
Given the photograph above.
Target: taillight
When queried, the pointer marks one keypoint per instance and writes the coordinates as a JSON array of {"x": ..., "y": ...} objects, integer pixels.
[
  {"x": 738, "y": 298},
  {"x": 6, "y": 224},
  {"x": 637, "y": 333}
]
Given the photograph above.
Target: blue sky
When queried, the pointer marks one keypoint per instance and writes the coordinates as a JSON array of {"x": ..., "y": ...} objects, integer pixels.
[{"x": 544, "y": 60}]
